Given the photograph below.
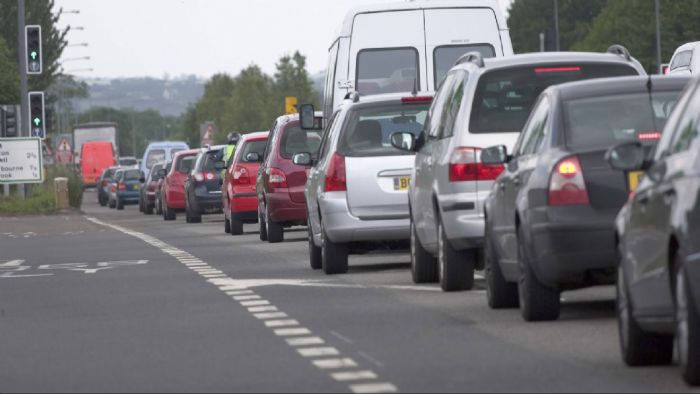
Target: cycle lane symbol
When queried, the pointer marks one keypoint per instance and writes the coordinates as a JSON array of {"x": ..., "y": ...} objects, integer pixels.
[{"x": 18, "y": 269}]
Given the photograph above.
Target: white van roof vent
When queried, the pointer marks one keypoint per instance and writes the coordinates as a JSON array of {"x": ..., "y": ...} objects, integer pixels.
[
  {"x": 620, "y": 50},
  {"x": 471, "y": 57}
]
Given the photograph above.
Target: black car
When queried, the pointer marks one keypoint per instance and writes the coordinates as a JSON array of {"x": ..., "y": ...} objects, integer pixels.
[
  {"x": 550, "y": 218},
  {"x": 203, "y": 186},
  {"x": 147, "y": 199},
  {"x": 659, "y": 245},
  {"x": 103, "y": 185}
]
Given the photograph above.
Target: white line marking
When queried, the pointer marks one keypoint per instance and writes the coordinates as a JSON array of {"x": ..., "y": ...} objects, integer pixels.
[
  {"x": 318, "y": 351},
  {"x": 230, "y": 287},
  {"x": 305, "y": 341},
  {"x": 342, "y": 338},
  {"x": 258, "y": 309},
  {"x": 255, "y": 303},
  {"x": 371, "y": 359},
  {"x": 246, "y": 297},
  {"x": 239, "y": 292},
  {"x": 373, "y": 388},
  {"x": 271, "y": 315},
  {"x": 281, "y": 323},
  {"x": 355, "y": 375},
  {"x": 288, "y": 332},
  {"x": 335, "y": 363}
]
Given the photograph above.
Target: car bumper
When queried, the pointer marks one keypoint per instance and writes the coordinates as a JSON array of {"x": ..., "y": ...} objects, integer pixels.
[
  {"x": 129, "y": 197},
  {"x": 463, "y": 220},
  {"x": 206, "y": 202},
  {"x": 282, "y": 209},
  {"x": 568, "y": 243},
  {"x": 241, "y": 203},
  {"x": 340, "y": 226},
  {"x": 246, "y": 216}
]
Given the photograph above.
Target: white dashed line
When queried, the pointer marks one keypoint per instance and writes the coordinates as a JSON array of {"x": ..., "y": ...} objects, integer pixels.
[
  {"x": 288, "y": 332},
  {"x": 258, "y": 309},
  {"x": 239, "y": 292},
  {"x": 270, "y": 315},
  {"x": 354, "y": 375},
  {"x": 373, "y": 388},
  {"x": 318, "y": 351},
  {"x": 305, "y": 341},
  {"x": 335, "y": 363},
  {"x": 281, "y": 323},
  {"x": 255, "y": 303},
  {"x": 246, "y": 297}
]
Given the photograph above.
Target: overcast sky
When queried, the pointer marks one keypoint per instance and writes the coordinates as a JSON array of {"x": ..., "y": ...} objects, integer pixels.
[{"x": 129, "y": 38}]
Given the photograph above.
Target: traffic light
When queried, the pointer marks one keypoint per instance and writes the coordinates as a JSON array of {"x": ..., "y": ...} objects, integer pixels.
[
  {"x": 34, "y": 54},
  {"x": 37, "y": 116},
  {"x": 8, "y": 120}
]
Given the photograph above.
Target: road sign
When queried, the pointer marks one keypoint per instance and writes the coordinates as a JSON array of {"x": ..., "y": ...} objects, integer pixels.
[
  {"x": 290, "y": 105},
  {"x": 64, "y": 151},
  {"x": 33, "y": 49},
  {"x": 21, "y": 160}
]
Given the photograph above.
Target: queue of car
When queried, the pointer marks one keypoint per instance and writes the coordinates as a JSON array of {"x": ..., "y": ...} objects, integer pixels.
[{"x": 550, "y": 172}]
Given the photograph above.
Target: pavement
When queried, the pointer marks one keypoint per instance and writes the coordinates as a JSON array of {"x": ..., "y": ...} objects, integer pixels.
[{"x": 116, "y": 301}]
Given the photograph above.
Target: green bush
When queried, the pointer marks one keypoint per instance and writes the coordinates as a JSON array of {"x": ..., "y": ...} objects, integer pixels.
[{"x": 42, "y": 197}]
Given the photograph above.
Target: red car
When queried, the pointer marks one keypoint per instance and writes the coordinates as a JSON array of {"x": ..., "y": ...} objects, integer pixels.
[
  {"x": 240, "y": 202},
  {"x": 280, "y": 184},
  {"x": 173, "y": 188}
]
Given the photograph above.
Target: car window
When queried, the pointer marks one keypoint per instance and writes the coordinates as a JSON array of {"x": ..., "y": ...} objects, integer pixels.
[
  {"x": 325, "y": 141},
  {"x": 154, "y": 171},
  {"x": 269, "y": 143},
  {"x": 687, "y": 129},
  {"x": 295, "y": 140},
  {"x": 209, "y": 160},
  {"x": 118, "y": 176},
  {"x": 504, "y": 98},
  {"x": 154, "y": 156},
  {"x": 598, "y": 122},
  {"x": 257, "y": 146},
  {"x": 445, "y": 57},
  {"x": 536, "y": 128},
  {"x": 454, "y": 103},
  {"x": 109, "y": 173},
  {"x": 682, "y": 59},
  {"x": 185, "y": 164},
  {"x": 387, "y": 70},
  {"x": 368, "y": 129},
  {"x": 132, "y": 175},
  {"x": 175, "y": 150},
  {"x": 435, "y": 121}
]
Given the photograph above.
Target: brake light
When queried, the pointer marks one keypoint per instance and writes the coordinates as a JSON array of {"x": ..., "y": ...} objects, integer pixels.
[
  {"x": 649, "y": 136},
  {"x": 465, "y": 166},
  {"x": 544, "y": 70},
  {"x": 114, "y": 188},
  {"x": 198, "y": 177},
  {"x": 335, "y": 177},
  {"x": 122, "y": 186},
  {"x": 241, "y": 176},
  {"x": 567, "y": 185},
  {"x": 277, "y": 179},
  {"x": 417, "y": 99}
]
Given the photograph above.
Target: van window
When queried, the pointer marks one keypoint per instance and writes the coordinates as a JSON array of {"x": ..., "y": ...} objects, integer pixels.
[
  {"x": 329, "y": 93},
  {"x": 367, "y": 131},
  {"x": 295, "y": 140},
  {"x": 389, "y": 70},
  {"x": 154, "y": 156},
  {"x": 445, "y": 57},
  {"x": 504, "y": 98},
  {"x": 682, "y": 59}
]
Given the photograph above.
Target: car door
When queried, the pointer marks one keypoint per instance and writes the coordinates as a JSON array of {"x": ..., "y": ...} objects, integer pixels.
[
  {"x": 421, "y": 194},
  {"x": 315, "y": 182}
]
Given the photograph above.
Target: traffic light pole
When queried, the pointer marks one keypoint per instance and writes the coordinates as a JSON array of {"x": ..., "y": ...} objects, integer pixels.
[{"x": 23, "y": 127}]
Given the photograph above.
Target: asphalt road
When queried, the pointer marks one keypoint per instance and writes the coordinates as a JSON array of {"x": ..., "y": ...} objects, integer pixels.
[{"x": 118, "y": 301}]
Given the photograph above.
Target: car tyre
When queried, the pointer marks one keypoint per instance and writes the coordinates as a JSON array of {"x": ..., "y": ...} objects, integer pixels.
[
  {"x": 275, "y": 232},
  {"x": 334, "y": 256},
  {"x": 148, "y": 210},
  {"x": 687, "y": 327},
  {"x": 236, "y": 225},
  {"x": 227, "y": 225},
  {"x": 537, "y": 301},
  {"x": 112, "y": 204},
  {"x": 168, "y": 214},
  {"x": 263, "y": 227},
  {"x": 424, "y": 266},
  {"x": 120, "y": 204},
  {"x": 499, "y": 293},
  {"x": 159, "y": 207},
  {"x": 315, "y": 253},
  {"x": 456, "y": 268},
  {"x": 638, "y": 348}
]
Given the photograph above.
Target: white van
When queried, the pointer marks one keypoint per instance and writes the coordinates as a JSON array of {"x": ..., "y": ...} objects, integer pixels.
[
  {"x": 390, "y": 48},
  {"x": 686, "y": 60}
]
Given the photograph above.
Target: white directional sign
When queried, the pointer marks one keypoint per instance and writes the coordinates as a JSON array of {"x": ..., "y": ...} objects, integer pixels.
[{"x": 20, "y": 160}]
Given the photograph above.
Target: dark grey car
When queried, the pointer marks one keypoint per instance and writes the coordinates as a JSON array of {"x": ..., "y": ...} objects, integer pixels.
[
  {"x": 659, "y": 243},
  {"x": 550, "y": 216}
]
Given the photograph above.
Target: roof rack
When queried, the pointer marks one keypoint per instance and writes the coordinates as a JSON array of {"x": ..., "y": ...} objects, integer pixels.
[
  {"x": 619, "y": 50},
  {"x": 354, "y": 96},
  {"x": 471, "y": 57}
]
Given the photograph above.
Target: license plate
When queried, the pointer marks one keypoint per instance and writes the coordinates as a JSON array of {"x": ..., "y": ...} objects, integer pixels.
[
  {"x": 137, "y": 187},
  {"x": 634, "y": 178},
  {"x": 401, "y": 183}
]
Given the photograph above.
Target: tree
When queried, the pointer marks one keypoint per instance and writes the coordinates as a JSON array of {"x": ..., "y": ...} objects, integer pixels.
[
  {"x": 252, "y": 107},
  {"x": 292, "y": 79},
  {"x": 9, "y": 79}
]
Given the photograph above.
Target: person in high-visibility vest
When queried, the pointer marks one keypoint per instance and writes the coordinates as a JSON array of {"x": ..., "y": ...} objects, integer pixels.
[{"x": 230, "y": 149}]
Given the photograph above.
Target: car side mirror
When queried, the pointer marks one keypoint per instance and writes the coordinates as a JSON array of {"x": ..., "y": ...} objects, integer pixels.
[
  {"x": 302, "y": 159},
  {"x": 219, "y": 165},
  {"x": 404, "y": 141},
  {"x": 628, "y": 156},
  {"x": 253, "y": 157},
  {"x": 495, "y": 155}
]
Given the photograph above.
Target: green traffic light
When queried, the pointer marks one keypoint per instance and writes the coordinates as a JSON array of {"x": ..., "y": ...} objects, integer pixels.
[
  {"x": 34, "y": 54},
  {"x": 37, "y": 121}
]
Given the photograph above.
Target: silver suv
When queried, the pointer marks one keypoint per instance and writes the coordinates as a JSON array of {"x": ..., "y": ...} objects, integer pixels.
[
  {"x": 481, "y": 103},
  {"x": 356, "y": 193}
]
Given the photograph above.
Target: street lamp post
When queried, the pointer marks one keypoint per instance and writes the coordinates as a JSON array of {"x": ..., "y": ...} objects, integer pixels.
[{"x": 657, "y": 12}]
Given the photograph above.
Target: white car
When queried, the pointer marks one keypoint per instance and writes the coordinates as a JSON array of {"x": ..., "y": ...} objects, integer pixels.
[{"x": 686, "y": 60}]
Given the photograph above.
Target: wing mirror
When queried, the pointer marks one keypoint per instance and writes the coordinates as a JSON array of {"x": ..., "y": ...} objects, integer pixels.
[
  {"x": 302, "y": 159},
  {"x": 308, "y": 119},
  {"x": 253, "y": 157},
  {"x": 404, "y": 141},
  {"x": 495, "y": 155},
  {"x": 629, "y": 156}
]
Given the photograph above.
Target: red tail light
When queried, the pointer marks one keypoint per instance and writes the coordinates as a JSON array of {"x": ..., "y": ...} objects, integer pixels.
[
  {"x": 241, "y": 176},
  {"x": 649, "y": 136},
  {"x": 114, "y": 188},
  {"x": 544, "y": 70},
  {"x": 417, "y": 99},
  {"x": 122, "y": 186},
  {"x": 465, "y": 166},
  {"x": 335, "y": 177},
  {"x": 277, "y": 178},
  {"x": 567, "y": 185}
]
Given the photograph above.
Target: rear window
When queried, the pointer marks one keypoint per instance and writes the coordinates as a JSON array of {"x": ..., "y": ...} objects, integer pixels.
[
  {"x": 128, "y": 162},
  {"x": 504, "y": 98},
  {"x": 209, "y": 160},
  {"x": 295, "y": 140},
  {"x": 132, "y": 175},
  {"x": 682, "y": 59},
  {"x": 600, "y": 122},
  {"x": 185, "y": 164},
  {"x": 154, "y": 156},
  {"x": 388, "y": 70},
  {"x": 253, "y": 147},
  {"x": 445, "y": 57},
  {"x": 109, "y": 174},
  {"x": 367, "y": 131}
]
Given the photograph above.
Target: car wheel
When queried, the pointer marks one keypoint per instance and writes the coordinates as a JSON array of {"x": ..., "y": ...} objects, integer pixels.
[
  {"x": 148, "y": 210},
  {"x": 687, "y": 328},
  {"x": 120, "y": 204},
  {"x": 315, "y": 253},
  {"x": 638, "y": 348},
  {"x": 537, "y": 301},
  {"x": 236, "y": 225},
  {"x": 334, "y": 256},
  {"x": 168, "y": 214},
  {"x": 159, "y": 207},
  {"x": 456, "y": 269},
  {"x": 275, "y": 232},
  {"x": 227, "y": 225},
  {"x": 424, "y": 266},
  {"x": 102, "y": 201},
  {"x": 112, "y": 204},
  {"x": 499, "y": 293},
  {"x": 141, "y": 206},
  {"x": 263, "y": 227}
]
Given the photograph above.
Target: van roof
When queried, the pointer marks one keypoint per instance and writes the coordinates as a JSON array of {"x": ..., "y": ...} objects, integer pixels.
[
  {"x": 555, "y": 57},
  {"x": 163, "y": 144},
  {"x": 346, "y": 27},
  {"x": 618, "y": 85},
  {"x": 688, "y": 46}
]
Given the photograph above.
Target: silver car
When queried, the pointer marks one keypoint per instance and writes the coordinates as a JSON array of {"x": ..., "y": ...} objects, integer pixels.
[
  {"x": 481, "y": 103},
  {"x": 356, "y": 193}
]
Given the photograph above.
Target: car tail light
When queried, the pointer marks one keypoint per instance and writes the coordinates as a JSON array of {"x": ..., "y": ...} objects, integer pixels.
[
  {"x": 465, "y": 166},
  {"x": 649, "y": 136},
  {"x": 198, "y": 177},
  {"x": 122, "y": 186},
  {"x": 417, "y": 99},
  {"x": 277, "y": 179},
  {"x": 335, "y": 177},
  {"x": 114, "y": 188},
  {"x": 241, "y": 176},
  {"x": 544, "y": 70},
  {"x": 567, "y": 185}
]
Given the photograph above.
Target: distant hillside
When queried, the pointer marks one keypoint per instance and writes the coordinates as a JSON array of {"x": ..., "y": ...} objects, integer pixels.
[{"x": 168, "y": 96}]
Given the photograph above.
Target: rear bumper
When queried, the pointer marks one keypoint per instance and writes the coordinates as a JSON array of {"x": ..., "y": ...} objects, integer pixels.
[
  {"x": 129, "y": 197},
  {"x": 242, "y": 203},
  {"x": 282, "y": 209},
  {"x": 205, "y": 202},
  {"x": 568, "y": 243},
  {"x": 463, "y": 219},
  {"x": 340, "y": 226},
  {"x": 246, "y": 216}
]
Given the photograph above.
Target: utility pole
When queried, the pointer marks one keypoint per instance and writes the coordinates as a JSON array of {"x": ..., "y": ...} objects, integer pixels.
[
  {"x": 23, "y": 126},
  {"x": 556, "y": 23},
  {"x": 657, "y": 11}
]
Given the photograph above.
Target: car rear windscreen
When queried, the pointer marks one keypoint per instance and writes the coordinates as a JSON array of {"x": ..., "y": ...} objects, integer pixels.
[
  {"x": 367, "y": 131},
  {"x": 185, "y": 164},
  {"x": 445, "y": 57},
  {"x": 504, "y": 97},
  {"x": 601, "y": 122},
  {"x": 253, "y": 147},
  {"x": 154, "y": 156},
  {"x": 128, "y": 162},
  {"x": 295, "y": 140},
  {"x": 109, "y": 174},
  {"x": 389, "y": 70},
  {"x": 132, "y": 175},
  {"x": 209, "y": 160}
]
